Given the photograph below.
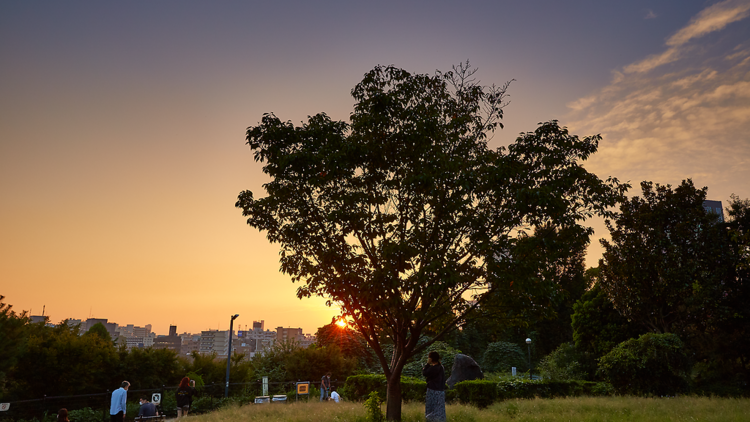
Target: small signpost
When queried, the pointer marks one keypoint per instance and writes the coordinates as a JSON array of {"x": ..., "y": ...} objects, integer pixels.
[
  {"x": 4, "y": 407},
  {"x": 156, "y": 398},
  {"x": 265, "y": 386},
  {"x": 513, "y": 370},
  {"x": 303, "y": 389}
]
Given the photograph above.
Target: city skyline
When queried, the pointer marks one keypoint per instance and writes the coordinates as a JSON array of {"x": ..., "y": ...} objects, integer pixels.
[{"x": 122, "y": 127}]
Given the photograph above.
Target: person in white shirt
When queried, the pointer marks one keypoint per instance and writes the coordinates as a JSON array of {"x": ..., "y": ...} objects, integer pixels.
[{"x": 335, "y": 396}]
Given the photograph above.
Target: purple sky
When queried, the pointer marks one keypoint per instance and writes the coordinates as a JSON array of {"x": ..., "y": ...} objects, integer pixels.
[{"x": 122, "y": 127}]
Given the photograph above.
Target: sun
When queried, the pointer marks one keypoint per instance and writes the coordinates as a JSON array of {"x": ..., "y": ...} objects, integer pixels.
[{"x": 341, "y": 323}]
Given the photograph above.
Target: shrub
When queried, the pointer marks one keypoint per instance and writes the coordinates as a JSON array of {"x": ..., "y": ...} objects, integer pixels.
[
  {"x": 501, "y": 356},
  {"x": 651, "y": 364},
  {"x": 480, "y": 393},
  {"x": 85, "y": 415},
  {"x": 565, "y": 363},
  {"x": 372, "y": 408},
  {"x": 359, "y": 387}
]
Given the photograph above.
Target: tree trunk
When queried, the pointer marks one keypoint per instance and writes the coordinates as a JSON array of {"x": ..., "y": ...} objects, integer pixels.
[{"x": 393, "y": 397}]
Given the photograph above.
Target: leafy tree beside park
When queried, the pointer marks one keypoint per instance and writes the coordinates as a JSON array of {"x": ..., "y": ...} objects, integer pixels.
[
  {"x": 668, "y": 260},
  {"x": 12, "y": 339},
  {"x": 406, "y": 219}
]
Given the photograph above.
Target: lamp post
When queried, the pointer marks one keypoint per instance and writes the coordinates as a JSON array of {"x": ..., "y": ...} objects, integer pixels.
[
  {"x": 528, "y": 347},
  {"x": 229, "y": 353}
]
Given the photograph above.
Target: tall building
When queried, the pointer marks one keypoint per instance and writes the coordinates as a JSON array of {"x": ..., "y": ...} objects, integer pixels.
[
  {"x": 259, "y": 325},
  {"x": 215, "y": 341},
  {"x": 714, "y": 207},
  {"x": 172, "y": 331}
]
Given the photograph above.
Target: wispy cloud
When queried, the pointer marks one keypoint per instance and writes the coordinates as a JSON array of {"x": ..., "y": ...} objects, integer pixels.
[
  {"x": 650, "y": 15},
  {"x": 711, "y": 19},
  {"x": 688, "y": 119}
]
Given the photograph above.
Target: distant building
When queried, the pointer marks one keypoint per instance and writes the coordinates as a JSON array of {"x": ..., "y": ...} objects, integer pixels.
[
  {"x": 289, "y": 334},
  {"x": 714, "y": 207},
  {"x": 215, "y": 341},
  {"x": 110, "y": 326},
  {"x": 169, "y": 342},
  {"x": 35, "y": 319},
  {"x": 172, "y": 331},
  {"x": 189, "y": 345}
]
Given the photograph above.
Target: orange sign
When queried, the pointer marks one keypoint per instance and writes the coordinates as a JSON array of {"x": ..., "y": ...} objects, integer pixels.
[{"x": 303, "y": 388}]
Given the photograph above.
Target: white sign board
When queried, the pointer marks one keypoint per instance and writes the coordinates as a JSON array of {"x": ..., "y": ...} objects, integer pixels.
[
  {"x": 4, "y": 407},
  {"x": 513, "y": 370},
  {"x": 265, "y": 386},
  {"x": 156, "y": 398}
]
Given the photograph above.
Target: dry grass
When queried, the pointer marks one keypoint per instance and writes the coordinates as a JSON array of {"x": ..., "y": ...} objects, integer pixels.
[{"x": 600, "y": 409}]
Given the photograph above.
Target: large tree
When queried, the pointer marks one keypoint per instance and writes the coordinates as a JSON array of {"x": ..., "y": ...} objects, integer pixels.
[
  {"x": 668, "y": 260},
  {"x": 404, "y": 217}
]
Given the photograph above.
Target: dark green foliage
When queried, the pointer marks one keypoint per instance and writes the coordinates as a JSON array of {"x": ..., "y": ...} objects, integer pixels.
[
  {"x": 597, "y": 326},
  {"x": 481, "y": 393},
  {"x": 447, "y": 355},
  {"x": 149, "y": 368},
  {"x": 567, "y": 363},
  {"x": 668, "y": 261},
  {"x": 12, "y": 339},
  {"x": 651, "y": 364},
  {"x": 373, "y": 411},
  {"x": 350, "y": 342},
  {"x": 99, "y": 330},
  {"x": 359, "y": 387},
  {"x": 501, "y": 356},
  {"x": 289, "y": 362},
  {"x": 58, "y": 361},
  {"x": 394, "y": 215},
  {"x": 85, "y": 415}
]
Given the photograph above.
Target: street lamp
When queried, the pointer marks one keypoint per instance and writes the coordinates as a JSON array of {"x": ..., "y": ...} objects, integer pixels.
[
  {"x": 229, "y": 352},
  {"x": 528, "y": 347}
]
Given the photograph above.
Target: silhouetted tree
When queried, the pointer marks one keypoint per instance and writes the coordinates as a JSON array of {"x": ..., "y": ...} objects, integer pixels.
[{"x": 404, "y": 214}]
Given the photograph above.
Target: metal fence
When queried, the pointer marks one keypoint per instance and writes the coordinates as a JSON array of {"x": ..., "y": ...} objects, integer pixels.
[{"x": 209, "y": 397}]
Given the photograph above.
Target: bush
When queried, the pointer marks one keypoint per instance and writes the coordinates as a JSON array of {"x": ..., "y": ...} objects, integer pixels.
[
  {"x": 359, "y": 387},
  {"x": 565, "y": 363},
  {"x": 85, "y": 415},
  {"x": 447, "y": 356},
  {"x": 501, "y": 356},
  {"x": 372, "y": 408},
  {"x": 480, "y": 393},
  {"x": 651, "y": 364}
]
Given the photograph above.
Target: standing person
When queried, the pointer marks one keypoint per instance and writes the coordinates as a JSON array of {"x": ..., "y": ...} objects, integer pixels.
[
  {"x": 62, "y": 415},
  {"x": 434, "y": 407},
  {"x": 147, "y": 408},
  {"x": 325, "y": 386},
  {"x": 117, "y": 409},
  {"x": 184, "y": 396}
]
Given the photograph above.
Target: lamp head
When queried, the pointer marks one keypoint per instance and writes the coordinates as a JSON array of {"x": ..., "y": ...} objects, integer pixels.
[
  {"x": 235, "y": 316},
  {"x": 528, "y": 341}
]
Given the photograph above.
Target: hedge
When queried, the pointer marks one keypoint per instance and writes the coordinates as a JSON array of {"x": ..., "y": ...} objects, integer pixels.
[
  {"x": 359, "y": 387},
  {"x": 483, "y": 393}
]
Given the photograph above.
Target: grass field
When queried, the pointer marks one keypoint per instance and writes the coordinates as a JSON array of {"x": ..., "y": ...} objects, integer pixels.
[{"x": 600, "y": 409}]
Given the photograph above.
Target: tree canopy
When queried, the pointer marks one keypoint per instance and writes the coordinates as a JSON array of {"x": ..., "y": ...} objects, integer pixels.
[{"x": 406, "y": 219}]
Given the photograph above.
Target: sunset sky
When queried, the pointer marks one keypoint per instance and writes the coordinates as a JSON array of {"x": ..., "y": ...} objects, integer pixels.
[{"x": 122, "y": 127}]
